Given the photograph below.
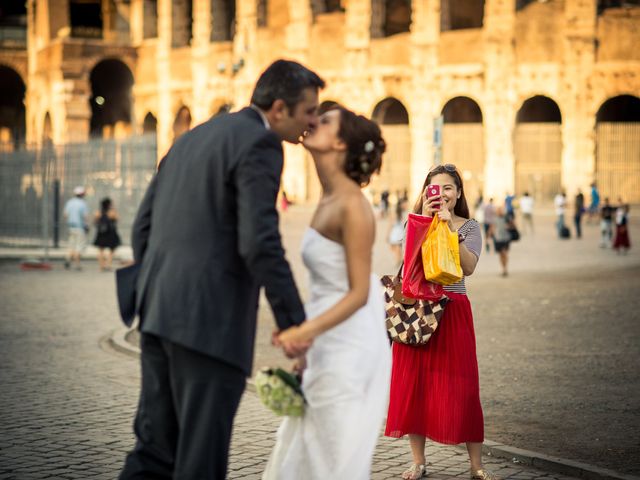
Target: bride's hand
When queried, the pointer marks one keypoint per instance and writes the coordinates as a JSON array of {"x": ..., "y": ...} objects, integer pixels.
[{"x": 295, "y": 341}]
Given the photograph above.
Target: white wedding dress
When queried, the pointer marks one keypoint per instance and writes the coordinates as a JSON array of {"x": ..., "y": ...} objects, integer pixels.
[{"x": 345, "y": 383}]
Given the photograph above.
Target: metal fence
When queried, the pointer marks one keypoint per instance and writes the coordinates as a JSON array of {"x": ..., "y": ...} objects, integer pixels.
[{"x": 36, "y": 183}]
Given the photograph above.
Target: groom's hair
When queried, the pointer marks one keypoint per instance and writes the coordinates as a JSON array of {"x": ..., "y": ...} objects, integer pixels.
[{"x": 285, "y": 80}]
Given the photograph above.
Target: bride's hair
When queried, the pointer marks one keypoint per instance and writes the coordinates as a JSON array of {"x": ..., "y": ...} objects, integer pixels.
[{"x": 365, "y": 145}]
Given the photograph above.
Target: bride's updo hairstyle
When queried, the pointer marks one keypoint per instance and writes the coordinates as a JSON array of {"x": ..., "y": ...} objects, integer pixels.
[{"x": 365, "y": 145}]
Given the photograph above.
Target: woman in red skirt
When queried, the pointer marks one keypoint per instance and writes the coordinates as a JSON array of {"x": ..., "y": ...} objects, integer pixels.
[{"x": 435, "y": 391}]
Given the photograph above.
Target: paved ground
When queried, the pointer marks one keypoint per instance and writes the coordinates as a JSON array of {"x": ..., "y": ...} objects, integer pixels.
[{"x": 558, "y": 347}]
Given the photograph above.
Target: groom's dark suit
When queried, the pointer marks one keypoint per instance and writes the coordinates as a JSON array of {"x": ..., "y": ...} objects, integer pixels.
[{"x": 207, "y": 238}]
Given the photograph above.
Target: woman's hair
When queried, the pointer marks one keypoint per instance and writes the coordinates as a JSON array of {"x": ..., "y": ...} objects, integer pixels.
[
  {"x": 365, "y": 145},
  {"x": 105, "y": 204},
  {"x": 461, "y": 209}
]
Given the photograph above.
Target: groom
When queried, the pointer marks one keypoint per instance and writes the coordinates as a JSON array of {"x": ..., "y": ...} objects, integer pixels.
[{"x": 206, "y": 237}]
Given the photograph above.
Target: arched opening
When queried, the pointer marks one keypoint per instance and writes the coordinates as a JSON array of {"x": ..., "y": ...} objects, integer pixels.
[
  {"x": 12, "y": 110},
  {"x": 617, "y": 169},
  {"x": 395, "y": 175},
  {"x": 604, "y": 4},
  {"x": 182, "y": 23},
  {"x": 47, "y": 131},
  {"x": 13, "y": 24},
  {"x": 326, "y": 6},
  {"x": 85, "y": 17},
  {"x": 390, "y": 17},
  {"x": 149, "y": 124},
  {"x": 182, "y": 122},
  {"x": 538, "y": 149},
  {"x": 463, "y": 142},
  {"x": 150, "y": 18},
  {"x": 111, "y": 82},
  {"x": 461, "y": 14},
  {"x": 223, "y": 20}
]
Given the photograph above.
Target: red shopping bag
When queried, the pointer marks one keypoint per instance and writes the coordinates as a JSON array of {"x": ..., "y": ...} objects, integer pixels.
[{"x": 414, "y": 284}]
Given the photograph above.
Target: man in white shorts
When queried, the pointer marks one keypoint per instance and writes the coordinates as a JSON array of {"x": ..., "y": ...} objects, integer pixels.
[{"x": 76, "y": 212}]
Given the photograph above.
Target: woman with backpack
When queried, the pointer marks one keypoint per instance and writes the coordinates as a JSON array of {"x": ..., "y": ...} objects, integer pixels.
[{"x": 107, "y": 238}]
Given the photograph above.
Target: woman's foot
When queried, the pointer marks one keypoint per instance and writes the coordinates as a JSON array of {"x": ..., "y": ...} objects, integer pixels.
[
  {"x": 414, "y": 472},
  {"x": 483, "y": 474}
]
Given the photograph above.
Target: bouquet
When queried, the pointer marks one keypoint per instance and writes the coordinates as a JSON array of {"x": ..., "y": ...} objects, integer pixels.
[{"x": 280, "y": 391}]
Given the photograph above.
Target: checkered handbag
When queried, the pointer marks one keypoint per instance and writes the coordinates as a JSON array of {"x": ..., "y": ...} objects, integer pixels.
[{"x": 408, "y": 320}]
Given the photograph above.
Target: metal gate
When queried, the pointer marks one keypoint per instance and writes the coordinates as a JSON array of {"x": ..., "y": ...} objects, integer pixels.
[
  {"x": 463, "y": 145},
  {"x": 618, "y": 161},
  {"x": 35, "y": 183},
  {"x": 538, "y": 160}
]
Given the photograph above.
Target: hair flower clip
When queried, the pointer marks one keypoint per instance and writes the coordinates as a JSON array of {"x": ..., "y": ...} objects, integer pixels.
[
  {"x": 368, "y": 147},
  {"x": 364, "y": 166}
]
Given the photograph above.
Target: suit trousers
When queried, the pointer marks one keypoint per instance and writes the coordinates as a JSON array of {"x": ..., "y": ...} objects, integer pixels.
[{"x": 185, "y": 414}]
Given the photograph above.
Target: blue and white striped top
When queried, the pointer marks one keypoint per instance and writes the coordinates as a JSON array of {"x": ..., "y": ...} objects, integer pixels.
[{"x": 473, "y": 241}]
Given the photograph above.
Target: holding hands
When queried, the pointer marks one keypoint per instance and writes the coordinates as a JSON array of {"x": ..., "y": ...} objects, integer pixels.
[{"x": 294, "y": 341}]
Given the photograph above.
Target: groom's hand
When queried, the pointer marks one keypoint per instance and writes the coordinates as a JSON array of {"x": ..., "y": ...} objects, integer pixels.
[{"x": 294, "y": 341}]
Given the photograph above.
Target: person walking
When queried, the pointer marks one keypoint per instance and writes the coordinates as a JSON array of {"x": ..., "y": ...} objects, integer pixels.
[
  {"x": 206, "y": 239},
  {"x": 621, "y": 241},
  {"x": 606, "y": 223},
  {"x": 435, "y": 391},
  {"x": 76, "y": 213},
  {"x": 502, "y": 238},
  {"x": 107, "y": 238},
  {"x": 489, "y": 220},
  {"x": 560, "y": 203},
  {"x": 594, "y": 206},
  {"x": 526, "y": 207},
  {"x": 578, "y": 213},
  {"x": 346, "y": 379}
]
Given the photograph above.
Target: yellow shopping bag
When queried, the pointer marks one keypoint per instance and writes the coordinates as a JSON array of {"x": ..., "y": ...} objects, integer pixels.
[{"x": 441, "y": 254}]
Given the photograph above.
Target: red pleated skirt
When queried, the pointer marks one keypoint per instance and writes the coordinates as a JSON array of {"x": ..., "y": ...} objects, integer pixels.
[{"x": 435, "y": 390}]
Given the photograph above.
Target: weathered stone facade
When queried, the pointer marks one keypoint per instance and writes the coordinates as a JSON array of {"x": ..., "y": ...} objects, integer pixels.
[{"x": 519, "y": 83}]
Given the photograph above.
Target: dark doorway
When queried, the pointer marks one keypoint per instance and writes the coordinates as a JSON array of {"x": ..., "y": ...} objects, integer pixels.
[{"x": 111, "y": 82}]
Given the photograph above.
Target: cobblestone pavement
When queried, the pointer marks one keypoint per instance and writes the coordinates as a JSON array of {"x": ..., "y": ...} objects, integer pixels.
[{"x": 67, "y": 401}]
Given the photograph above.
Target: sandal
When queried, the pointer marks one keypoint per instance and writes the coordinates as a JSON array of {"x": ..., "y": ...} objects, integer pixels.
[
  {"x": 414, "y": 472},
  {"x": 483, "y": 474}
]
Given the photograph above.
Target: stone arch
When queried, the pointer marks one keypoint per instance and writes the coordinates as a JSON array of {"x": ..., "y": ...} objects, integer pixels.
[
  {"x": 463, "y": 142},
  {"x": 181, "y": 23},
  {"x": 111, "y": 100},
  {"x": 617, "y": 166},
  {"x": 538, "y": 148},
  {"x": 326, "y": 6},
  {"x": 461, "y": 14},
  {"x": 12, "y": 108},
  {"x": 395, "y": 175},
  {"x": 181, "y": 122},
  {"x": 390, "y": 17}
]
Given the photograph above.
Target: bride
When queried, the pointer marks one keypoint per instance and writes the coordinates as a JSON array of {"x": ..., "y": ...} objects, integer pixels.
[{"x": 346, "y": 379}]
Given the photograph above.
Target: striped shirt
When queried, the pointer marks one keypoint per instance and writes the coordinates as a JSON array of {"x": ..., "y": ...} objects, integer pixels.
[{"x": 473, "y": 241}]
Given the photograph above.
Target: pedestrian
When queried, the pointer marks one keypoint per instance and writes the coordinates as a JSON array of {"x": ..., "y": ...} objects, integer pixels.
[
  {"x": 560, "y": 203},
  {"x": 594, "y": 206},
  {"x": 206, "y": 239},
  {"x": 502, "y": 238},
  {"x": 435, "y": 389},
  {"x": 622, "y": 241},
  {"x": 346, "y": 379},
  {"x": 76, "y": 213},
  {"x": 509, "y": 206},
  {"x": 607, "y": 211},
  {"x": 384, "y": 203},
  {"x": 578, "y": 212},
  {"x": 489, "y": 219},
  {"x": 478, "y": 210},
  {"x": 526, "y": 207},
  {"x": 396, "y": 236},
  {"x": 107, "y": 238}
]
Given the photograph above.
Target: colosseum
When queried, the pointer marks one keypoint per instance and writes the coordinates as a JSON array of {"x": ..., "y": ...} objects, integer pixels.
[{"x": 522, "y": 95}]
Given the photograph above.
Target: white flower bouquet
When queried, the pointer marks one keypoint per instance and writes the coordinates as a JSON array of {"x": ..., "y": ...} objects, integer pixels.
[{"x": 280, "y": 391}]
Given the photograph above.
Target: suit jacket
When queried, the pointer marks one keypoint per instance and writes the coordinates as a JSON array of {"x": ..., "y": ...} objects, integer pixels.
[{"x": 207, "y": 237}]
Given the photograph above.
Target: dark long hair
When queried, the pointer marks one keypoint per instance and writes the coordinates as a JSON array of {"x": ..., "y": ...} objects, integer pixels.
[
  {"x": 365, "y": 145},
  {"x": 461, "y": 209},
  {"x": 105, "y": 205}
]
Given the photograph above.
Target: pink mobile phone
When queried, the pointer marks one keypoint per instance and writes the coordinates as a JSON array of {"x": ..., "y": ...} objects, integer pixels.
[{"x": 433, "y": 191}]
